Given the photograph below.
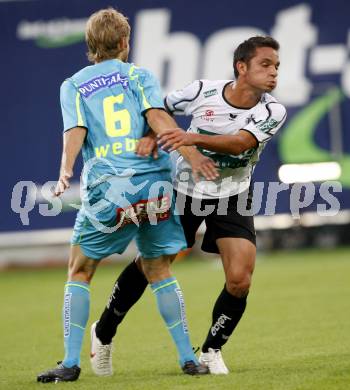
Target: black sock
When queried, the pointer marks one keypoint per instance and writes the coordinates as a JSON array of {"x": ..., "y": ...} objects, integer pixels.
[
  {"x": 127, "y": 290},
  {"x": 227, "y": 312}
]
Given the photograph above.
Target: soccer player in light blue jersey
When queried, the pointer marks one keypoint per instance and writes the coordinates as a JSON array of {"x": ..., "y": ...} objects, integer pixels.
[{"x": 107, "y": 107}]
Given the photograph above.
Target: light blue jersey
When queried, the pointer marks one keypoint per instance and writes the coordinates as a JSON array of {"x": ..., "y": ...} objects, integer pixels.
[{"x": 109, "y": 99}]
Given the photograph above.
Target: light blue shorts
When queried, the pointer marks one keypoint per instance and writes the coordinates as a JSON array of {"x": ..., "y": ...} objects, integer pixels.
[{"x": 123, "y": 208}]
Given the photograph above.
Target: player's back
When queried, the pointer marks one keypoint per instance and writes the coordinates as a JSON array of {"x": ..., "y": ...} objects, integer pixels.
[{"x": 109, "y": 99}]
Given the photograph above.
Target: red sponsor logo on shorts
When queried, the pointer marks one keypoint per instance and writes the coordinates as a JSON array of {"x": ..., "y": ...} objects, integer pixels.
[{"x": 145, "y": 210}]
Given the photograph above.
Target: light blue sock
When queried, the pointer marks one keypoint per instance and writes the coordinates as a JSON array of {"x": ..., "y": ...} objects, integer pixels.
[
  {"x": 76, "y": 307},
  {"x": 171, "y": 306}
]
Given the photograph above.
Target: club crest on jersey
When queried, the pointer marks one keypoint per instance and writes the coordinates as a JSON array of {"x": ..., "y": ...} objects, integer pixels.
[
  {"x": 232, "y": 117},
  {"x": 211, "y": 92},
  {"x": 208, "y": 116},
  {"x": 96, "y": 84}
]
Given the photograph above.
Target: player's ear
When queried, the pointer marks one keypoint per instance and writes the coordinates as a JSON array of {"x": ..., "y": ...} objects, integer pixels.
[
  {"x": 241, "y": 67},
  {"x": 123, "y": 43}
]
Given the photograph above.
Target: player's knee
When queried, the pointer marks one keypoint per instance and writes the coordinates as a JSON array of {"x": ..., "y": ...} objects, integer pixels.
[
  {"x": 155, "y": 270},
  {"x": 80, "y": 275},
  {"x": 239, "y": 286},
  {"x": 155, "y": 274},
  {"x": 81, "y": 271}
]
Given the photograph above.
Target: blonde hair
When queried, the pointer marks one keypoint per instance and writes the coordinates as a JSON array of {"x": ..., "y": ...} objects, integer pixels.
[{"x": 104, "y": 32}]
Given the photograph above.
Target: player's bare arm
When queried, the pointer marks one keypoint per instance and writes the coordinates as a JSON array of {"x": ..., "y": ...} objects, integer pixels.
[
  {"x": 147, "y": 145},
  {"x": 230, "y": 144},
  {"x": 162, "y": 123},
  {"x": 73, "y": 140}
]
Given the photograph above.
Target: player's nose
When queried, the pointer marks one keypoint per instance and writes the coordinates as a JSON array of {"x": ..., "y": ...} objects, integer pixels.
[{"x": 273, "y": 71}]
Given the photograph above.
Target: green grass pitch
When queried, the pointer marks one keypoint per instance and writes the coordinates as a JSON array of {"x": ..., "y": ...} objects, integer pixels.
[{"x": 295, "y": 334}]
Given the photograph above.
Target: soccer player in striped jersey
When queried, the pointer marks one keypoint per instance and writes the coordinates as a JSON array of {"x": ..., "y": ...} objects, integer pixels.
[{"x": 232, "y": 121}]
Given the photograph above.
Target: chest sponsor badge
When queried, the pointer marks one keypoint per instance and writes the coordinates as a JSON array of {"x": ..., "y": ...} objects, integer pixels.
[{"x": 211, "y": 92}]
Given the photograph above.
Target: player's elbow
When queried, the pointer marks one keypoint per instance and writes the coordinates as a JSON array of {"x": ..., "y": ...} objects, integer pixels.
[
  {"x": 241, "y": 144},
  {"x": 238, "y": 148}
]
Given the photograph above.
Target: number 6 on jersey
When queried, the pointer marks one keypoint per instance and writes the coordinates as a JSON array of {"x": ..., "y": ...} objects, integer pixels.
[{"x": 112, "y": 116}]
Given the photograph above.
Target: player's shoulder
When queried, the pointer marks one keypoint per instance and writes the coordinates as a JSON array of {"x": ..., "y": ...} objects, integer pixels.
[
  {"x": 67, "y": 87},
  {"x": 273, "y": 106},
  {"x": 214, "y": 83},
  {"x": 82, "y": 74},
  {"x": 100, "y": 69},
  {"x": 211, "y": 88},
  {"x": 200, "y": 89},
  {"x": 75, "y": 79},
  {"x": 140, "y": 72},
  {"x": 267, "y": 99}
]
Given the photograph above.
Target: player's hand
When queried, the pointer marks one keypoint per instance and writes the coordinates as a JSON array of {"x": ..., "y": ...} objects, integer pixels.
[
  {"x": 146, "y": 146},
  {"x": 62, "y": 183},
  {"x": 203, "y": 166},
  {"x": 175, "y": 138}
]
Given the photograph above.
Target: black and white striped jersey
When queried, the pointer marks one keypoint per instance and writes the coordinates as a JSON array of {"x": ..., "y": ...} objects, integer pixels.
[{"x": 212, "y": 114}]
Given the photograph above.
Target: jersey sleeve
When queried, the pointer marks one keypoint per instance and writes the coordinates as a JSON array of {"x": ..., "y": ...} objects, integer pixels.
[
  {"x": 72, "y": 106},
  {"x": 179, "y": 102},
  {"x": 148, "y": 90},
  {"x": 267, "y": 121}
]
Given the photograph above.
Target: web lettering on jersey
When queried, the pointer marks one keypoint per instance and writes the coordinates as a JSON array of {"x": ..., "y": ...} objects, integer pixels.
[{"x": 97, "y": 83}]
